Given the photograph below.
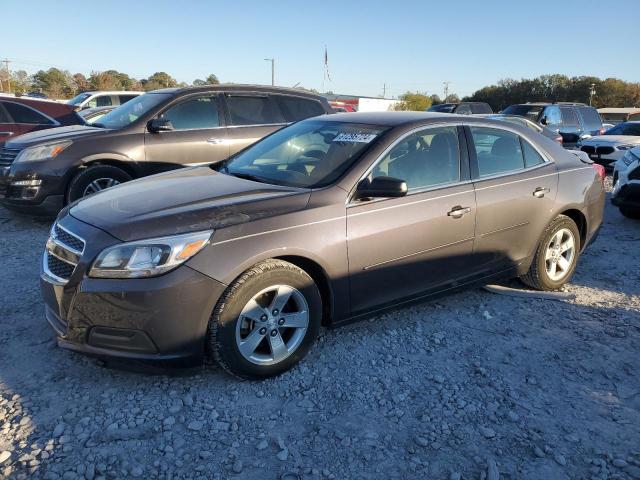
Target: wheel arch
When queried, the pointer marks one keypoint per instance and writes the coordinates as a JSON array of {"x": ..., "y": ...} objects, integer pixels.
[
  {"x": 123, "y": 165},
  {"x": 580, "y": 220}
]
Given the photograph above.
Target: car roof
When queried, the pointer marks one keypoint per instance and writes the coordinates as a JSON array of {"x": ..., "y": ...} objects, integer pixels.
[
  {"x": 394, "y": 119},
  {"x": 239, "y": 88},
  {"x": 112, "y": 92}
]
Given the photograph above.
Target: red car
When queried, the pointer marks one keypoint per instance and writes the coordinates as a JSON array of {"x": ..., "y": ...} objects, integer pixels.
[{"x": 22, "y": 115}]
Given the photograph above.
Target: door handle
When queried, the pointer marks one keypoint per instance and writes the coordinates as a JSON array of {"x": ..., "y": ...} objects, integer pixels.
[
  {"x": 215, "y": 141},
  {"x": 458, "y": 211},
  {"x": 540, "y": 192}
]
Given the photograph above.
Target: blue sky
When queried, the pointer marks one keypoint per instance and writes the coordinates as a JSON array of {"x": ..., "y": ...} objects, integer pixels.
[{"x": 409, "y": 45}]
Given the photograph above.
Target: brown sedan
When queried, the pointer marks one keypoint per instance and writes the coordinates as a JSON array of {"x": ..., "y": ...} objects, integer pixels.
[{"x": 324, "y": 221}]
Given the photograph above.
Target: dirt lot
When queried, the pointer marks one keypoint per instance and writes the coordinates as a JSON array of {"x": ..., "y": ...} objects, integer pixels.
[{"x": 473, "y": 386}]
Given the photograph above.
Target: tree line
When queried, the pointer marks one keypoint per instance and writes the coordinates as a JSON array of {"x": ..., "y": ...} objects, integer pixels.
[
  {"x": 60, "y": 84},
  {"x": 609, "y": 92}
]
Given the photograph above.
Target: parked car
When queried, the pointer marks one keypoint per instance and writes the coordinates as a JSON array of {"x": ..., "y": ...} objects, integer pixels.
[
  {"x": 19, "y": 115},
  {"x": 525, "y": 122},
  {"x": 102, "y": 99},
  {"x": 92, "y": 115},
  {"x": 612, "y": 145},
  {"x": 324, "y": 221},
  {"x": 572, "y": 121},
  {"x": 462, "y": 108},
  {"x": 619, "y": 115},
  {"x": 626, "y": 184},
  {"x": 152, "y": 133}
]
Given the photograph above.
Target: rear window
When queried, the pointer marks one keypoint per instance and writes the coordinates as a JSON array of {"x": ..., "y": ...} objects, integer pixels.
[
  {"x": 24, "y": 114},
  {"x": 252, "y": 110},
  {"x": 295, "y": 109},
  {"x": 591, "y": 118},
  {"x": 442, "y": 108}
]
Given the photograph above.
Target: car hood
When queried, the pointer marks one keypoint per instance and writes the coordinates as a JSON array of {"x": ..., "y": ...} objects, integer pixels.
[
  {"x": 611, "y": 140},
  {"x": 185, "y": 200},
  {"x": 51, "y": 135}
]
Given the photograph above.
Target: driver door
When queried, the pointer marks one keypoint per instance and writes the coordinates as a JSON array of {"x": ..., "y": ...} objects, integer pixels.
[
  {"x": 401, "y": 247},
  {"x": 199, "y": 135}
]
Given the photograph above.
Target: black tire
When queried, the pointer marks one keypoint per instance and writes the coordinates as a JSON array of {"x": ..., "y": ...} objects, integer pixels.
[
  {"x": 84, "y": 177},
  {"x": 632, "y": 213},
  {"x": 221, "y": 336},
  {"x": 537, "y": 276}
]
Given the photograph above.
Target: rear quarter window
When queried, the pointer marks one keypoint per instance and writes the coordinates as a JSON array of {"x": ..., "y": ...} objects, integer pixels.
[
  {"x": 4, "y": 117},
  {"x": 591, "y": 118},
  {"x": 295, "y": 108},
  {"x": 23, "y": 114}
]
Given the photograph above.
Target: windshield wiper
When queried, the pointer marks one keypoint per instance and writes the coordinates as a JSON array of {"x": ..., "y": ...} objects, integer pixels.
[{"x": 97, "y": 124}]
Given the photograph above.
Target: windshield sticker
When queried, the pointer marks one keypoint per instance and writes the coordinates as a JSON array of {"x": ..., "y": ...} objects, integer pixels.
[{"x": 355, "y": 137}]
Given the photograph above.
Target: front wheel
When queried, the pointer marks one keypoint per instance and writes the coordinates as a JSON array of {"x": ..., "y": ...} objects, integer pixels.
[
  {"x": 266, "y": 321},
  {"x": 94, "y": 179},
  {"x": 556, "y": 256}
]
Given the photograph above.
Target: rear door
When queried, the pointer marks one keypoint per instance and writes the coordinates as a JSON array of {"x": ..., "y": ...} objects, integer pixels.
[
  {"x": 515, "y": 187},
  {"x": 198, "y": 137},
  {"x": 250, "y": 116},
  {"x": 401, "y": 247},
  {"x": 571, "y": 129}
]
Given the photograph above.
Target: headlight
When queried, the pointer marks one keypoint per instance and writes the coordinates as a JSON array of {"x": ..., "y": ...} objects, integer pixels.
[
  {"x": 625, "y": 147},
  {"x": 42, "y": 152},
  {"x": 148, "y": 258},
  {"x": 629, "y": 158}
]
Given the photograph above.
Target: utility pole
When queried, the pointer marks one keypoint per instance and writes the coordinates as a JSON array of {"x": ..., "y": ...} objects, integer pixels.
[
  {"x": 446, "y": 90},
  {"x": 384, "y": 90},
  {"x": 6, "y": 62},
  {"x": 273, "y": 69},
  {"x": 592, "y": 92}
]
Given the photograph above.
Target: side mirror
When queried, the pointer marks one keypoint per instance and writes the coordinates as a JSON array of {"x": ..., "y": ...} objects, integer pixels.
[
  {"x": 158, "y": 125},
  {"x": 389, "y": 187},
  {"x": 544, "y": 121}
]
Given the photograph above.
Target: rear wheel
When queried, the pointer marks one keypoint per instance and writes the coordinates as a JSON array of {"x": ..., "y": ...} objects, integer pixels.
[
  {"x": 633, "y": 213},
  {"x": 556, "y": 256},
  {"x": 95, "y": 179},
  {"x": 266, "y": 321}
]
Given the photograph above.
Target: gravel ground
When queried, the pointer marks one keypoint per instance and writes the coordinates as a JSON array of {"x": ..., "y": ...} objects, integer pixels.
[{"x": 473, "y": 386}]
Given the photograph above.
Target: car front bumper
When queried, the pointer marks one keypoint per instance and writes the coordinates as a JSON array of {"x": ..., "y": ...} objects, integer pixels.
[
  {"x": 606, "y": 159},
  {"x": 159, "y": 318},
  {"x": 626, "y": 187},
  {"x": 46, "y": 198}
]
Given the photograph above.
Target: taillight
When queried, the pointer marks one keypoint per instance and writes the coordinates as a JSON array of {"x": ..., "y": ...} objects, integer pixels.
[
  {"x": 601, "y": 173},
  {"x": 559, "y": 139}
]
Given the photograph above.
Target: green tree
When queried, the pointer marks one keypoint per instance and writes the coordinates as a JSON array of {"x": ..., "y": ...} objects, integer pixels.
[
  {"x": 81, "y": 82},
  {"x": 20, "y": 81},
  {"x": 159, "y": 80},
  {"x": 198, "y": 82},
  {"x": 415, "y": 101},
  {"x": 54, "y": 82},
  {"x": 212, "y": 80}
]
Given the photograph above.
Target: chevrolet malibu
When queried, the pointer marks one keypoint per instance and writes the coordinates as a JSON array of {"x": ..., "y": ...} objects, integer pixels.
[{"x": 325, "y": 221}]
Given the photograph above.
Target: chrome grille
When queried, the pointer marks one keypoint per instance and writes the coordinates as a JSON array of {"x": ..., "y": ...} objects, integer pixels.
[
  {"x": 62, "y": 254},
  {"x": 8, "y": 155}
]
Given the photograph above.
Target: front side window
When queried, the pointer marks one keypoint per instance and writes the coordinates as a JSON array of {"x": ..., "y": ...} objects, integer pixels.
[
  {"x": 497, "y": 151},
  {"x": 424, "y": 159},
  {"x": 252, "y": 110},
  {"x": 311, "y": 153},
  {"x": 23, "y": 114},
  {"x": 194, "y": 113},
  {"x": 553, "y": 116}
]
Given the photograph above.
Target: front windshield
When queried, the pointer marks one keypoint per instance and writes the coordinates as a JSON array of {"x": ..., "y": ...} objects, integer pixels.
[
  {"x": 78, "y": 99},
  {"x": 311, "y": 153},
  {"x": 129, "y": 112}
]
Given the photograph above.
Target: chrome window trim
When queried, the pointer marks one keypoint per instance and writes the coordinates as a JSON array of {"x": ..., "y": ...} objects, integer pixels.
[
  {"x": 283, "y": 124},
  {"x": 407, "y": 203},
  {"x": 42, "y": 114},
  {"x": 352, "y": 202},
  {"x": 515, "y": 172}
]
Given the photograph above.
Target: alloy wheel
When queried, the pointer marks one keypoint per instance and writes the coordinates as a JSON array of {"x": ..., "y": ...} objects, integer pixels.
[
  {"x": 272, "y": 325},
  {"x": 560, "y": 254},
  {"x": 99, "y": 184}
]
